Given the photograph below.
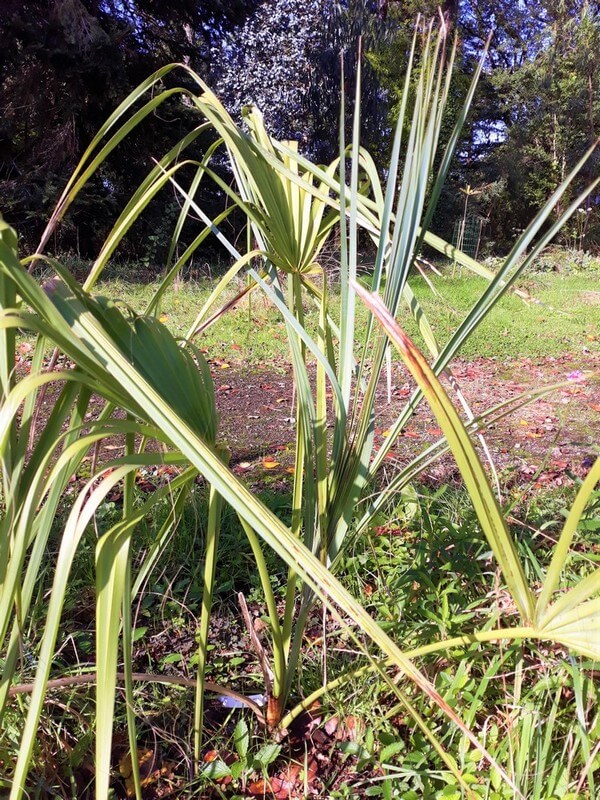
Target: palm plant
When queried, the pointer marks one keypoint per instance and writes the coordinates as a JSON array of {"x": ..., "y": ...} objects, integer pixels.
[
  {"x": 129, "y": 362},
  {"x": 135, "y": 365},
  {"x": 333, "y": 466}
]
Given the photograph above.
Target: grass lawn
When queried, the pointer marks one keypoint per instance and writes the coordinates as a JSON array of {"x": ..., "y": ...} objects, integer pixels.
[{"x": 563, "y": 317}]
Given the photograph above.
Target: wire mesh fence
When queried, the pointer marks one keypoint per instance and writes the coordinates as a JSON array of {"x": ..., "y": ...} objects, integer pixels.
[{"x": 467, "y": 235}]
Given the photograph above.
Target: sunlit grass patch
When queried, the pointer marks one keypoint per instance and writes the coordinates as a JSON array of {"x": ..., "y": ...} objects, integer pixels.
[{"x": 559, "y": 318}]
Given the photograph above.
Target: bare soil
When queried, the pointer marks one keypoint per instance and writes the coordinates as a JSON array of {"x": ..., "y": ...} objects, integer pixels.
[{"x": 543, "y": 441}]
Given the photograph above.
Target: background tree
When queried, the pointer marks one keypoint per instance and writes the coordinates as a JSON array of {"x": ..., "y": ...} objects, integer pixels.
[
  {"x": 285, "y": 58},
  {"x": 550, "y": 103},
  {"x": 64, "y": 66},
  {"x": 536, "y": 113}
]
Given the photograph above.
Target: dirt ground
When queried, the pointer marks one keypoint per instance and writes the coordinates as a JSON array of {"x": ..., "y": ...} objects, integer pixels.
[
  {"x": 544, "y": 442},
  {"x": 554, "y": 435}
]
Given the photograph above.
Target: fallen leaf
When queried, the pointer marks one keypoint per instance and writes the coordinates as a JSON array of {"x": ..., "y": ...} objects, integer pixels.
[
  {"x": 350, "y": 730},
  {"x": 281, "y": 787},
  {"x": 270, "y": 463},
  {"x": 331, "y": 725},
  {"x": 411, "y": 434},
  {"x": 148, "y": 775}
]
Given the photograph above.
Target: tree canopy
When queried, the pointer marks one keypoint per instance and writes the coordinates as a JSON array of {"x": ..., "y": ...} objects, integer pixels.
[{"x": 65, "y": 65}]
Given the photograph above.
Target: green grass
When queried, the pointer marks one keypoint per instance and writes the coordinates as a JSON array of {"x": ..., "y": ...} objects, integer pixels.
[
  {"x": 430, "y": 576},
  {"x": 251, "y": 333},
  {"x": 564, "y": 317},
  {"x": 424, "y": 573}
]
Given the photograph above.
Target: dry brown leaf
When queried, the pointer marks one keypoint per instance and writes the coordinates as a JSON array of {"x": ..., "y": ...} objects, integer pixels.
[{"x": 270, "y": 463}]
